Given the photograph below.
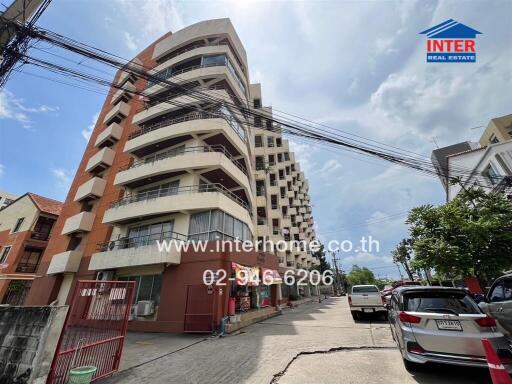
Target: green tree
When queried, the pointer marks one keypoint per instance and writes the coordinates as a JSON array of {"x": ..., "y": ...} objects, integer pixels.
[
  {"x": 402, "y": 254},
  {"x": 320, "y": 254},
  {"x": 360, "y": 275},
  {"x": 471, "y": 235}
]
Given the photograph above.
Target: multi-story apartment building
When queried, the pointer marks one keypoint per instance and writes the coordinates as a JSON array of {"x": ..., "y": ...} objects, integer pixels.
[
  {"x": 166, "y": 164},
  {"x": 6, "y": 198},
  {"x": 498, "y": 130},
  {"x": 283, "y": 208},
  {"x": 25, "y": 227}
]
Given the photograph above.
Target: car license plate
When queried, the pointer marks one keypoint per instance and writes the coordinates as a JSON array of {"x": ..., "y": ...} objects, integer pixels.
[
  {"x": 449, "y": 325},
  {"x": 367, "y": 310}
]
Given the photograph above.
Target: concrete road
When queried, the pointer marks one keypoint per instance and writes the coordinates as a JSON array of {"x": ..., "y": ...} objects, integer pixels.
[{"x": 316, "y": 342}]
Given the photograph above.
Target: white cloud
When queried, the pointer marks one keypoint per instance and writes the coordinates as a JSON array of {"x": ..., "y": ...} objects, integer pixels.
[
  {"x": 129, "y": 41},
  {"x": 365, "y": 259},
  {"x": 154, "y": 18},
  {"x": 12, "y": 108},
  {"x": 329, "y": 167},
  {"x": 86, "y": 133},
  {"x": 63, "y": 177},
  {"x": 302, "y": 154},
  {"x": 2, "y": 170}
]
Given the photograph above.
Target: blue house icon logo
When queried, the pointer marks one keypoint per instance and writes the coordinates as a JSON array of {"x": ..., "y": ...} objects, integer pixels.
[{"x": 451, "y": 42}]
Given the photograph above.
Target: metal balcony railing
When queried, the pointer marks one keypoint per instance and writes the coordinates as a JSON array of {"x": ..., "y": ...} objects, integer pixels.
[
  {"x": 27, "y": 267},
  {"x": 140, "y": 241},
  {"x": 178, "y": 52},
  {"x": 43, "y": 236},
  {"x": 184, "y": 151},
  {"x": 171, "y": 191},
  {"x": 505, "y": 185},
  {"x": 163, "y": 99},
  {"x": 191, "y": 116}
]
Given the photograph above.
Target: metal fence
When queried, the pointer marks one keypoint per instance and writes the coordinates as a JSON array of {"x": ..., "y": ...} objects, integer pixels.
[{"x": 95, "y": 329}]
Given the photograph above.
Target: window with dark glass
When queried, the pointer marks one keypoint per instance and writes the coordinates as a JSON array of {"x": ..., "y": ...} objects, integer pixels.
[{"x": 19, "y": 222}]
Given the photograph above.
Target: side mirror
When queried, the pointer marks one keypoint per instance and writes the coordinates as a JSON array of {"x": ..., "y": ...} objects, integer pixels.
[{"x": 479, "y": 298}]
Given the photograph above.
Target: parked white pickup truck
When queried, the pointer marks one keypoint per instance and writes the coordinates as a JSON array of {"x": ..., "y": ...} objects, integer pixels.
[{"x": 366, "y": 299}]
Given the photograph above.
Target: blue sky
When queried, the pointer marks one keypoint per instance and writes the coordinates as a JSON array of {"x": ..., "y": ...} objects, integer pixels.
[{"x": 355, "y": 66}]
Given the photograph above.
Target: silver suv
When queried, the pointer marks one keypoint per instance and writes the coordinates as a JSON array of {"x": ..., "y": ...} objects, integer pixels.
[
  {"x": 442, "y": 325},
  {"x": 498, "y": 303}
]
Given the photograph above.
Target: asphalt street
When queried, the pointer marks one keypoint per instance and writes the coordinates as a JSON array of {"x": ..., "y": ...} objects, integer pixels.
[{"x": 316, "y": 342}]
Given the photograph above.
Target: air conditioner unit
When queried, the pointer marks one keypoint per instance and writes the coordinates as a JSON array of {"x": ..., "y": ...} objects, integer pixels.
[
  {"x": 145, "y": 308},
  {"x": 105, "y": 275}
]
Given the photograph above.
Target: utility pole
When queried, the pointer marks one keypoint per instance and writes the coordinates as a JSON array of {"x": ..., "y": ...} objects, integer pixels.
[
  {"x": 399, "y": 271},
  {"x": 13, "y": 41},
  {"x": 337, "y": 284}
]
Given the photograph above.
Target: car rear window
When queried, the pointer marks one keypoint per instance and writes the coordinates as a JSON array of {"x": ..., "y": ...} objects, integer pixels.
[
  {"x": 368, "y": 289},
  {"x": 440, "y": 302}
]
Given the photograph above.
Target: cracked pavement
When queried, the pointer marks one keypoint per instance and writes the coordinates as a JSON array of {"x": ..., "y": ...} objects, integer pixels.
[{"x": 317, "y": 342}]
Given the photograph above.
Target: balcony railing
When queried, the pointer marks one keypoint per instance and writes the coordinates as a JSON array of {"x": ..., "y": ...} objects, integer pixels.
[
  {"x": 178, "y": 52},
  {"x": 183, "y": 151},
  {"x": 504, "y": 185},
  {"x": 27, "y": 267},
  {"x": 191, "y": 116},
  {"x": 185, "y": 91},
  {"x": 43, "y": 236},
  {"x": 171, "y": 191},
  {"x": 140, "y": 241}
]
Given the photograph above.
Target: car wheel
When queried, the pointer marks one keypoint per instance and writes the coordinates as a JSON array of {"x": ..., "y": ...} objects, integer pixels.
[
  {"x": 355, "y": 315},
  {"x": 410, "y": 366}
]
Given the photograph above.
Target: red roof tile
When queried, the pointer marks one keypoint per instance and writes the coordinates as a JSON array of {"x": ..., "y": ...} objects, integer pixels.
[{"x": 46, "y": 205}]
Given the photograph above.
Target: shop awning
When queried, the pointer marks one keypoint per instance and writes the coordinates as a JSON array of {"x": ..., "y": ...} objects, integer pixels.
[
  {"x": 270, "y": 276},
  {"x": 245, "y": 275}
]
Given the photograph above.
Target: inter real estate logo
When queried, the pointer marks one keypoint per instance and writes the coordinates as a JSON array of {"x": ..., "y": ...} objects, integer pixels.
[{"x": 451, "y": 42}]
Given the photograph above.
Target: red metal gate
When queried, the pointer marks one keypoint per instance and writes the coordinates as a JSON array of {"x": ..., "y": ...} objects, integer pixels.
[
  {"x": 94, "y": 330},
  {"x": 200, "y": 309}
]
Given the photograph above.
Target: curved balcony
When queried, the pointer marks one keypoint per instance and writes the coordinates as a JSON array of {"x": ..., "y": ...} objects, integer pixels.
[
  {"x": 197, "y": 72},
  {"x": 178, "y": 199},
  {"x": 218, "y": 165},
  {"x": 174, "y": 131},
  {"x": 137, "y": 251}
]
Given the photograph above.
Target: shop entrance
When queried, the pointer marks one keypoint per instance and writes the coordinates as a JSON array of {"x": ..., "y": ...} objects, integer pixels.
[{"x": 199, "y": 312}]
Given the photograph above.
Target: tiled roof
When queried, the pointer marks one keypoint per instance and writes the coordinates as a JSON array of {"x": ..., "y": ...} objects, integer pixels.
[{"x": 46, "y": 205}]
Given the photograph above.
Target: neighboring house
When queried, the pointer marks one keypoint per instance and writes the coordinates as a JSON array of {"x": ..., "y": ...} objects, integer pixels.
[
  {"x": 487, "y": 167},
  {"x": 439, "y": 159},
  {"x": 6, "y": 198},
  {"x": 498, "y": 130},
  {"x": 25, "y": 228}
]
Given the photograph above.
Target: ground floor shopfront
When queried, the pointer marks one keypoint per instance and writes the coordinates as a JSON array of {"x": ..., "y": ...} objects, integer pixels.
[{"x": 175, "y": 298}]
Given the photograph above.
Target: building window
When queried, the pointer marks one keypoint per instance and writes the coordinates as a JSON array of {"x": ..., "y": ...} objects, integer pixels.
[
  {"x": 29, "y": 261},
  {"x": 4, "y": 254},
  {"x": 217, "y": 225},
  {"x": 147, "y": 287},
  {"x": 493, "y": 139},
  {"x": 18, "y": 224},
  {"x": 257, "y": 121},
  {"x": 258, "y": 141},
  {"x": 149, "y": 234},
  {"x": 491, "y": 175},
  {"x": 270, "y": 141},
  {"x": 257, "y": 103}
]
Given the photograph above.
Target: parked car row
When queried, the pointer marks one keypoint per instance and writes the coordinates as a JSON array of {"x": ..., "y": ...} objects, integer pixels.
[{"x": 442, "y": 324}]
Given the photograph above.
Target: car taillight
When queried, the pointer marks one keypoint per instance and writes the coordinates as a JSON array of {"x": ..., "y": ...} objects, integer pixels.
[
  {"x": 349, "y": 300},
  {"x": 486, "y": 322},
  {"x": 414, "y": 347},
  {"x": 406, "y": 318}
]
